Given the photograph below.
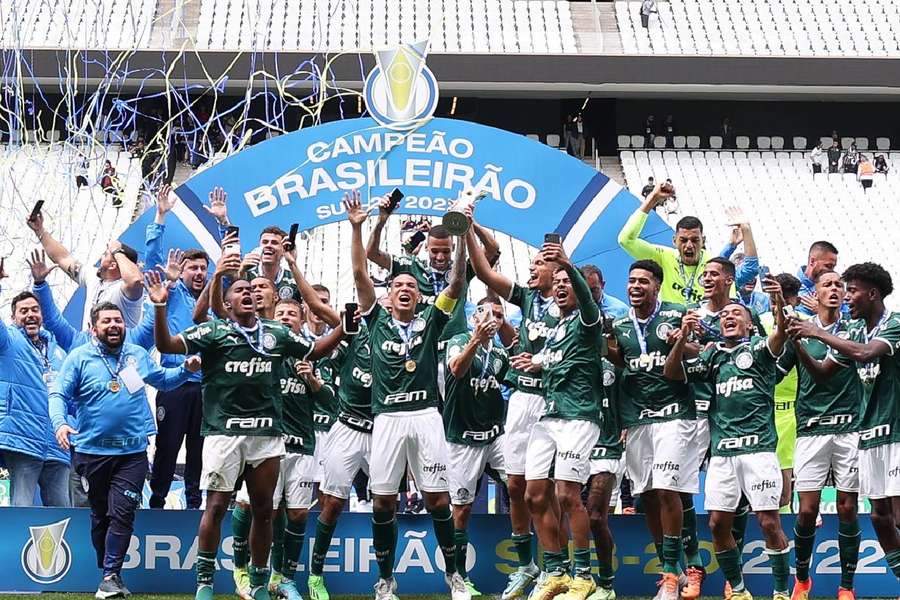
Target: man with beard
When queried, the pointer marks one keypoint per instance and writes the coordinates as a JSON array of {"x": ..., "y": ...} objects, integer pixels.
[
  {"x": 104, "y": 382},
  {"x": 822, "y": 257},
  {"x": 408, "y": 427},
  {"x": 118, "y": 279},
  {"x": 526, "y": 403},
  {"x": 563, "y": 438},
  {"x": 242, "y": 412},
  {"x": 871, "y": 345},
  {"x": 741, "y": 366},
  {"x": 827, "y": 414},
  {"x": 178, "y": 413},
  {"x": 31, "y": 359},
  {"x": 661, "y": 457}
]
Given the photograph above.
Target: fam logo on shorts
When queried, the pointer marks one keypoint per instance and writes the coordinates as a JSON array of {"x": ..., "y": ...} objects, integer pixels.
[
  {"x": 46, "y": 557},
  {"x": 401, "y": 91}
]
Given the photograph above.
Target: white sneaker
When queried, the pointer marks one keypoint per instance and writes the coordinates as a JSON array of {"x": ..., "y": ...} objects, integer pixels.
[
  {"x": 458, "y": 588},
  {"x": 385, "y": 588}
]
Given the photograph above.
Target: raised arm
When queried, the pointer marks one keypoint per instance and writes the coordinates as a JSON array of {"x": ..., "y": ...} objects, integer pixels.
[
  {"x": 460, "y": 364},
  {"x": 778, "y": 336},
  {"x": 56, "y": 251},
  {"x": 457, "y": 284},
  {"x": 491, "y": 278},
  {"x": 488, "y": 242},
  {"x": 132, "y": 279},
  {"x": 66, "y": 335},
  {"x": 365, "y": 289},
  {"x": 228, "y": 264},
  {"x": 820, "y": 370},
  {"x": 158, "y": 292},
  {"x": 590, "y": 312},
  {"x": 309, "y": 295},
  {"x": 326, "y": 344},
  {"x": 629, "y": 237},
  {"x": 153, "y": 238},
  {"x": 201, "y": 308},
  {"x": 373, "y": 250},
  {"x": 749, "y": 268}
]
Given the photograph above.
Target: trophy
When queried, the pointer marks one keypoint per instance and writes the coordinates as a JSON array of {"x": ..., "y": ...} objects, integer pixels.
[{"x": 455, "y": 220}]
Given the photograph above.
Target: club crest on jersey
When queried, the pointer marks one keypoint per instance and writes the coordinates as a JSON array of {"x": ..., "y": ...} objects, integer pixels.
[
  {"x": 609, "y": 378},
  {"x": 744, "y": 360},
  {"x": 418, "y": 324},
  {"x": 131, "y": 361},
  {"x": 498, "y": 364},
  {"x": 553, "y": 311},
  {"x": 285, "y": 292},
  {"x": 663, "y": 330},
  {"x": 269, "y": 341}
]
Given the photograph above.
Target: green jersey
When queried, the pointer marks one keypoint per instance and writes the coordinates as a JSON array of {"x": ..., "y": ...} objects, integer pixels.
[
  {"x": 742, "y": 409},
  {"x": 285, "y": 284},
  {"x": 880, "y": 423},
  {"x": 353, "y": 362},
  {"x": 826, "y": 407},
  {"x": 297, "y": 425},
  {"x": 325, "y": 399},
  {"x": 572, "y": 369},
  {"x": 643, "y": 348},
  {"x": 242, "y": 374},
  {"x": 404, "y": 359},
  {"x": 431, "y": 281},
  {"x": 474, "y": 410},
  {"x": 539, "y": 315},
  {"x": 709, "y": 323},
  {"x": 610, "y": 446}
]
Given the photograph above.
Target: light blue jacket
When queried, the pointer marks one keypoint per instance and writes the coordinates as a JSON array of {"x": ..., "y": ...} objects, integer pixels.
[
  {"x": 108, "y": 422},
  {"x": 24, "y": 415}
]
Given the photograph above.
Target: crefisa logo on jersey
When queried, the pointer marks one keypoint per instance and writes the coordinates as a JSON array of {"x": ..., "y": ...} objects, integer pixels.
[
  {"x": 46, "y": 557},
  {"x": 401, "y": 91}
]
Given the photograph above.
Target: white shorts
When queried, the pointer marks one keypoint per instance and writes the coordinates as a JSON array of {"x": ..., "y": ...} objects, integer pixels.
[
  {"x": 414, "y": 437},
  {"x": 757, "y": 475},
  {"x": 522, "y": 412},
  {"x": 225, "y": 456},
  {"x": 563, "y": 445},
  {"x": 701, "y": 441},
  {"x": 467, "y": 464},
  {"x": 295, "y": 483},
  {"x": 815, "y": 456},
  {"x": 321, "y": 449},
  {"x": 616, "y": 466},
  {"x": 663, "y": 456},
  {"x": 879, "y": 472},
  {"x": 349, "y": 451}
]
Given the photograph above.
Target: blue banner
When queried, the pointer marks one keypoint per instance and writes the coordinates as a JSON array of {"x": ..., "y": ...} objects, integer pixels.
[
  {"x": 48, "y": 549},
  {"x": 531, "y": 188}
]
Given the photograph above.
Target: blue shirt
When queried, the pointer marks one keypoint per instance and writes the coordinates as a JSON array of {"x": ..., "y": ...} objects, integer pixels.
[
  {"x": 108, "y": 422},
  {"x": 808, "y": 288},
  {"x": 746, "y": 271},
  {"x": 758, "y": 301},
  {"x": 612, "y": 306}
]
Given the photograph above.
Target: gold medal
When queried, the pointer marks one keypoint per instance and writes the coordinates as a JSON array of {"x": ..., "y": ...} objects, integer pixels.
[
  {"x": 409, "y": 365},
  {"x": 114, "y": 386}
]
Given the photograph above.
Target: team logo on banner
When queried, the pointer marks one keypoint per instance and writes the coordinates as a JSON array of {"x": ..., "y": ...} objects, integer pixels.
[
  {"x": 401, "y": 91},
  {"x": 46, "y": 557}
]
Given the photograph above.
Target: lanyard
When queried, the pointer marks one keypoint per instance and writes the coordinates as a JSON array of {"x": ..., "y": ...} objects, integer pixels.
[
  {"x": 834, "y": 328},
  {"x": 119, "y": 361},
  {"x": 258, "y": 346},
  {"x": 41, "y": 349},
  {"x": 486, "y": 360},
  {"x": 438, "y": 280},
  {"x": 540, "y": 306},
  {"x": 406, "y": 333},
  {"x": 869, "y": 335},
  {"x": 641, "y": 332},
  {"x": 688, "y": 285},
  {"x": 310, "y": 336}
]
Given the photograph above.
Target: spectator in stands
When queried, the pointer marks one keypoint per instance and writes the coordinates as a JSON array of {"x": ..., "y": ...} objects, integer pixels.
[
  {"x": 822, "y": 257},
  {"x": 110, "y": 184},
  {"x": 729, "y": 138},
  {"x": 648, "y": 7},
  {"x": 836, "y": 139},
  {"x": 669, "y": 129},
  {"x": 578, "y": 131},
  {"x": 834, "y": 157},
  {"x": 30, "y": 357},
  {"x": 649, "y": 131},
  {"x": 850, "y": 160},
  {"x": 651, "y": 183},
  {"x": 81, "y": 178},
  {"x": 815, "y": 158},
  {"x": 881, "y": 165},
  {"x": 865, "y": 172},
  {"x": 569, "y": 135},
  {"x": 609, "y": 305},
  {"x": 118, "y": 280}
]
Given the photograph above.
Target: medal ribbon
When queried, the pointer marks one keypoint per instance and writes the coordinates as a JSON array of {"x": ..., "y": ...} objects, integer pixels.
[
  {"x": 119, "y": 361},
  {"x": 688, "y": 285},
  {"x": 540, "y": 306},
  {"x": 42, "y": 349},
  {"x": 258, "y": 346},
  {"x": 641, "y": 332},
  {"x": 438, "y": 280},
  {"x": 406, "y": 334}
]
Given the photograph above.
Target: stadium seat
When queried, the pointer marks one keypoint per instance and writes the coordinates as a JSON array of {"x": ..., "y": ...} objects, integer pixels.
[
  {"x": 777, "y": 142},
  {"x": 693, "y": 141},
  {"x": 763, "y": 143},
  {"x": 742, "y": 142},
  {"x": 883, "y": 143},
  {"x": 659, "y": 142},
  {"x": 679, "y": 141},
  {"x": 715, "y": 142},
  {"x": 553, "y": 140},
  {"x": 623, "y": 141},
  {"x": 637, "y": 141},
  {"x": 862, "y": 143},
  {"x": 533, "y": 136}
]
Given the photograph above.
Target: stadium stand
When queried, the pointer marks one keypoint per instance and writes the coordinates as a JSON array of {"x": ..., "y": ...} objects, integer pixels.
[
  {"x": 763, "y": 142},
  {"x": 763, "y": 28},
  {"x": 111, "y": 24},
  {"x": 787, "y": 205}
]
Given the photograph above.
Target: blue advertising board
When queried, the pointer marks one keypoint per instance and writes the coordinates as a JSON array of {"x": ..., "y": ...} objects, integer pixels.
[{"x": 47, "y": 549}]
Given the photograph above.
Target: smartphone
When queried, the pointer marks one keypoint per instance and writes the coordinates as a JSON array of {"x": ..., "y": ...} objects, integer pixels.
[
  {"x": 292, "y": 236},
  {"x": 234, "y": 247},
  {"x": 552, "y": 238},
  {"x": 789, "y": 312},
  {"x": 36, "y": 210},
  {"x": 763, "y": 272},
  {"x": 351, "y": 325},
  {"x": 413, "y": 242},
  {"x": 395, "y": 198}
]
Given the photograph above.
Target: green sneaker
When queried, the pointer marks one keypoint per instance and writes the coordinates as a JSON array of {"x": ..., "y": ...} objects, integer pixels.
[
  {"x": 471, "y": 586},
  {"x": 204, "y": 592},
  {"x": 603, "y": 593},
  {"x": 275, "y": 579},
  {"x": 317, "y": 591},
  {"x": 241, "y": 584}
]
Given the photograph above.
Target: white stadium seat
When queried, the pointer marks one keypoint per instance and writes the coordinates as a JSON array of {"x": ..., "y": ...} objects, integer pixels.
[{"x": 623, "y": 141}]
